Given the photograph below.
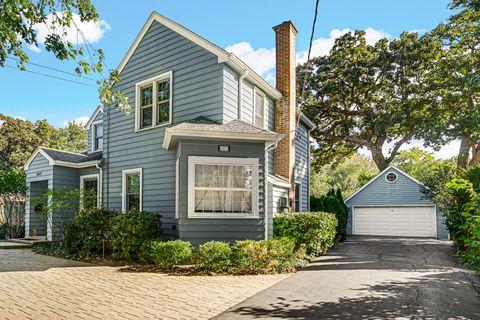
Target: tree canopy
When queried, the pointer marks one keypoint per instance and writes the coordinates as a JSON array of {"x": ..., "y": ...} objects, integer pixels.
[
  {"x": 18, "y": 19},
  {"x": 19, "y": 138}
]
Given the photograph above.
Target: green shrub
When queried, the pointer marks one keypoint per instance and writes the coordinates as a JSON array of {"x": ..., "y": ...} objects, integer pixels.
[
  {"x": 315, "y": 230},
  {"x": 214, "y": 256},
  {"x": 167, "y": 254},
  {"x": 85, "y": 233},
  {"x": 2, "y": 230},
  {"x": 333, "y": 202},
  {"x": 130, "y": 230},
  {"x": 267, "y": 256}
]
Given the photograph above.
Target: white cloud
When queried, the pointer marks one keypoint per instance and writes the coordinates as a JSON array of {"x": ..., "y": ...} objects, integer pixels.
[
  {"x": 34, "y": 48},
  {"x": 92, "y": 31},
  {"x": 80, "y": 120},
  {"x": 262, "y": 60}
]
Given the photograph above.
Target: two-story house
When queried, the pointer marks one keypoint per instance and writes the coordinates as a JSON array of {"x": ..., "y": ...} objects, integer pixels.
[{"x": 209, "y": 144}]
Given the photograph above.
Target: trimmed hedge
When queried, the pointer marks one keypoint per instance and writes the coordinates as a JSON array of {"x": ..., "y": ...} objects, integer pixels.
[
  {"x": 130, "y": 230},
  {"x": 315, "y": 230},
  {"x": 166, "y": 254},
  {"x": 214, "y": 256},
  {"x": 333, "y": 202}
]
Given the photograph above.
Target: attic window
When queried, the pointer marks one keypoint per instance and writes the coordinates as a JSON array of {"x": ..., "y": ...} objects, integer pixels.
[
  {"x": 154, "y": 102},
  {"x": 391, "y": 177}
]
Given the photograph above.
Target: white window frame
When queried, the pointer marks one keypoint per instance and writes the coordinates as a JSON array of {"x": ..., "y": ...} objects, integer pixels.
[
  {"x": 300, "y": 208},
  {"x": 153, "y": 81},
  {"x": 396, "y": 175},
  {"x": 94, "y": 134},
  {"x": 193, "y": 160},
  {"x": 124, "y": 186},
  {"x": 82, "y": 187},
  {"x": 260, "y": 92}
]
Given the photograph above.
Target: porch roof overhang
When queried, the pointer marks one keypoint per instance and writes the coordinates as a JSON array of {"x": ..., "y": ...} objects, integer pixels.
[
  {"x": 235, "y": 130},
  {"x": 65, "y": 158}
]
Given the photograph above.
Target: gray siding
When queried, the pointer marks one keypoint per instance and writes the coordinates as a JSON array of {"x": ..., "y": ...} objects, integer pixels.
[
  {"x": 197, "y": 91},
  {"x": 302, "y": 165},
  {"x": 230, "y": 95},
  {"x": 270, "y": 114},
  {"x": 89, "y": 131},
  {"x": 197, "y": 230},
  {"x": 39, "y": 169},
  {"x": 403, "y": 192},
  {"x": 34, "y": 220}
]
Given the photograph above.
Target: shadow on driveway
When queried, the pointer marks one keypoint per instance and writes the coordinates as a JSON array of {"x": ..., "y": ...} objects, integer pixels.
[{"x": 12, "y": 260}]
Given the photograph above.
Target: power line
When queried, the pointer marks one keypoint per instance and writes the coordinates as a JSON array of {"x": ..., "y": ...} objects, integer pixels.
[
  {"x": 50, "y": 76},
  {"x": 53, "y": 69}
]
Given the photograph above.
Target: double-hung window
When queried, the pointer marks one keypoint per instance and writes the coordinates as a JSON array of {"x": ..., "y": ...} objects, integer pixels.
[
  {"x": 132, "y": 190},
  {"x": 154, "y": 102},
  {"x": 90, "y": 193},
  {"x": 97, "y": 136},
  {"x": 259, "y": 114},
  {"x": 222, "y": 187}
]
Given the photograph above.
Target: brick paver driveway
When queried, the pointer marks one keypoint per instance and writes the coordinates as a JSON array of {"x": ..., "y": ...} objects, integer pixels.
[{"x": 39, "y": 287}]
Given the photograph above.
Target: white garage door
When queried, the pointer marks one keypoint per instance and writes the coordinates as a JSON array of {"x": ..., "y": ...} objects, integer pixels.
[{"x": 394, "y": 221}]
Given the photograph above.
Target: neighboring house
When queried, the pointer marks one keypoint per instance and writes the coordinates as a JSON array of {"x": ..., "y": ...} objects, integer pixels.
[
  {"x": 392, "y": 204},
  {"x": 210, "y": 144}
]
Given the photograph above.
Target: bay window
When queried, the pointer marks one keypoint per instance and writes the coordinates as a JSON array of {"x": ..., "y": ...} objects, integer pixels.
[
  {"x": 154, "y": 102},
  {"x": 222, "y": 187}
]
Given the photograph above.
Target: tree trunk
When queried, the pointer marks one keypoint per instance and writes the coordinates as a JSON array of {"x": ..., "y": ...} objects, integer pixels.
[
  {"x": 463, "y": 153},
  {"x": 475, "y": 154},
  {"x": 378, "y": 158}
]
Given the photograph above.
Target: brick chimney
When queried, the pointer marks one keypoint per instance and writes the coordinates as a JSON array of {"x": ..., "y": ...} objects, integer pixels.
[{"x": 285, "y": 123}]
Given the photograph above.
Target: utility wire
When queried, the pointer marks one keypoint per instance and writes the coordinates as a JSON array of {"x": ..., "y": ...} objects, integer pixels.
[
  {"x": 50, "y": 76},
  {"x": 53, "y": 69}
]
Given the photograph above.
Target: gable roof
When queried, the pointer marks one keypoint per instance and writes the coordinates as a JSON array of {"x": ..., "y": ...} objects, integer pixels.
[
  {"x": 390, "y": 167},
  {"x": 233, "y": 130},
  {"x": 223, "y": 56},
  {"x": 93, "y": 116},
  {"x": 64, "y": 158}
]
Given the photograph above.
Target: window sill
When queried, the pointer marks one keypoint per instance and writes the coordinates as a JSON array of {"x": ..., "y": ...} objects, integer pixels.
[
  {"x": 197, "y": 216},
  {"x": 154, "y": 127}
]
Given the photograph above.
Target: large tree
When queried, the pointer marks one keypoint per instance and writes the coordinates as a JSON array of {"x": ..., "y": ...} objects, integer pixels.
[
  {"x": 363, "y": 95},
  {"x": 19, "y": 138},
  {"x": 458, "y": 81},
  {"x": 18, "y": 19}
]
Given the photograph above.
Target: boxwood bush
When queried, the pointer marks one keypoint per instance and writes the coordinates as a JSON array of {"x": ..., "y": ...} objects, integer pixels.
[
  {"x": 166, "y": 254},
  {"x": 315, "y": 230},
  {"x": 214, "y": 256},
  {"x": 130, "y": 230}
]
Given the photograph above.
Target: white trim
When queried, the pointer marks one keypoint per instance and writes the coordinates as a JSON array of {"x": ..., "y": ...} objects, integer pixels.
[
  {"x": 93, "y": 116},
  {"x": 124, "y": 186},
  {"x": 177, "y": 189},
  {"x": 193, "y": 160},
  {"x": 38, "y": 150},
  {"x": 202, "y": 134},
  {"x": 222, "y": 55},
  {"x": 94, "y": 134},
  {"x": 254, "y": 114},
  {"x": 277, "y": 181},
  {"x": 396, "y": 177},
  {"x": 82, "y": 186},
  {"x": 434, "y": 206},
  {"x": 380, "y": 174},
  {"x": 76, "y": 165},
  {"x": 306, "y": 120},
  {"x": 153, "y": 80}
]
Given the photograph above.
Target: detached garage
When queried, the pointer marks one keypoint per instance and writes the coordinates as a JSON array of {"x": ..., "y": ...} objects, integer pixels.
[{"x": 392, "y": 204}]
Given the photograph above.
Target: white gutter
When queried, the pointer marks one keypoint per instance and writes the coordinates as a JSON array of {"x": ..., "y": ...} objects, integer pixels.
[
  {"x": 100, "y": 181},
  {"x": 240, "y": 91}
]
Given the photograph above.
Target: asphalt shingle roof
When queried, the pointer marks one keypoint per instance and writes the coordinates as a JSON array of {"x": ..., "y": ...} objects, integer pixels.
[
  {"x": 59, "y": 155},
  {"x": 234, "y": 126}
]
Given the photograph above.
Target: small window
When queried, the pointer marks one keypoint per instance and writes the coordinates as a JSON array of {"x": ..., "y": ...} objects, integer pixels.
[
  {"x": 298, "y": 197},
  {"x": 154, "y": 102},
  {"x": 97, "y": 136},
  {"x": 391, "y": 177},
  {"x": 259, "y": 109},
  {"x": 223, "y": 187},
  {"x": 89, "y": 191},
  {"x": 132, "y": 190}
]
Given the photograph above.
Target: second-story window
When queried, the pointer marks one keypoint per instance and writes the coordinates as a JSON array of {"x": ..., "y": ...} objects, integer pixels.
[
  {"x": 154, "y": 102},
  {"x": 259, "y": 116},
  {"x": 97, "y": 131}
]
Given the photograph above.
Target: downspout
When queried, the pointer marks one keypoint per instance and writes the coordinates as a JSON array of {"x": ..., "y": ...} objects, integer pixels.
[
  {"x": 240, "y": 91},
  {"x": 98, "y": 165}
]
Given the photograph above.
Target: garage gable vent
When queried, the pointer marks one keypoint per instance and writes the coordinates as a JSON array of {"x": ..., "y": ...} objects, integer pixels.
[{"x": 391, "y": 177}]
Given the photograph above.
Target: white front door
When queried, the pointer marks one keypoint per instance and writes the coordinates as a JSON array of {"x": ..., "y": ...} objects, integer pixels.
[{"x": 405, "y": 221}]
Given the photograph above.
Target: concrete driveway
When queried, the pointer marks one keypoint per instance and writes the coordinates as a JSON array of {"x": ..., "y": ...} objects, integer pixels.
[{"x": 372, "y": 278}]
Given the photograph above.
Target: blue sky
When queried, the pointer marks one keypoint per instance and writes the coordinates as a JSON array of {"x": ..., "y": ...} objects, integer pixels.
[{"x": 243, "y": 27}]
